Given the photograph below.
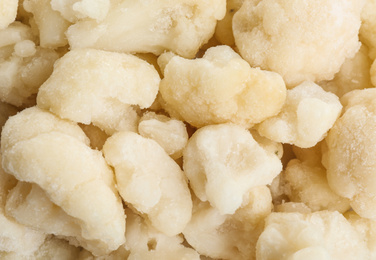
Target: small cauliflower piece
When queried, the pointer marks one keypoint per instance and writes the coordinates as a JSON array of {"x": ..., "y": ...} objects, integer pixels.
[
  {"x": 301, "y": 40},
  {"x": 229, "y": 236},
  {"x": 308, "y": 184},
  {"x": 307, "y": 115},
  {"x": 74, "y": 10},
  {"x": 23, "y": 66},
  {"x": 145, "y": 242},
  {"x": 170, "y": 134},
  {"x": 150, "y": 180},
  {"x": 151, "y": 26},
  {"x": 321, "y": 235},
  {"x": 8, "y": 12},
  {"x": 350, "y": 153},
  {"x": 220, "y": 87},
  {"x": 223, "y": 163},
  {"x": 367, "y": 32},
  {"x": 99, "y": 87},
  {"x": 51, "y": 25},
  {"x": 73, "y": 176},
  {"x": 354, "y": 74}
]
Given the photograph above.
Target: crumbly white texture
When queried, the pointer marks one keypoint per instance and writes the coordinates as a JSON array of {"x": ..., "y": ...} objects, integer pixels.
[
  {"x": 39, "y": 148},
  {"x": 367, "y": 32},
  {"x": 223, "y": 163},
  {"x": 150, "y": 181},
  {"x": 99, "y": 87},
  {"x": 218, "y": 88},
  {"x": 321, "y": 235},
  {"x": 308, "y": 113},
  {"x": 151, "y": 26},
  {"x": 8, "y": 12},
  {"x": 300, "y": 39},
  {"x": 351, "y": 153}
]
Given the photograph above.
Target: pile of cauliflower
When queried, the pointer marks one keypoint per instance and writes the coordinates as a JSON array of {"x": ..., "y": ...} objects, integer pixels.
[{"x": 143, "y": 129}]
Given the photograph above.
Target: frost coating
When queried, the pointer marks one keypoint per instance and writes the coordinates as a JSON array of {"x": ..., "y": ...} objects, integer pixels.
[
  {"x": 223, "y": 163},
  {"x": 151, "y": 26},
  {"x": 219, "y": 88},
  {"x": 301, "y": 40},
  {"x": 308, "y": 113},
  {"x": 99, "y": 87},
  {"x": 150, "y": 180}
]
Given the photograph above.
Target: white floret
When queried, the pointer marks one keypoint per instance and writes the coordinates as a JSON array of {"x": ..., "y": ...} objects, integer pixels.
[
  {"x": 8, "y": 12},
  {"x": 74, "y": 10}
]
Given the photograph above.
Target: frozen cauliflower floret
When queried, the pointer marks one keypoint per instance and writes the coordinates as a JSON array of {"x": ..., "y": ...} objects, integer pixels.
[
  {"x": 351, "y": 153},
  {"x": 151, "y": 26},
  {"x": 73, "y": 176},
  {"x": 308, "y": 184},
  {"x": 219, "y": 88},
  {"x": 150, "y": 180},
  {"x": 144, "y": 242},
  {"x": 367, "y": 32},
  {"x": 229, "y": 236},
  {"x": 301, "y": 40},
  {"x": 74, "y": 10},
  {"x": 321, "y": 235},
  {"x": 223, "y": 31},
  {"x": 170, "y": 134},
  {"x": 366, "y": 228},
  {"x": 51, "y": 25},
  {"x": 23, "y": 66},
  {"x": 307, "y": 115},
  {"x": 223, "y": 163},
  {"x": 15, "y": 237},
  {"x": 99, "y": 87},
  {"x": 8, "y": 12},
  {"x": 354, "y": 74}
]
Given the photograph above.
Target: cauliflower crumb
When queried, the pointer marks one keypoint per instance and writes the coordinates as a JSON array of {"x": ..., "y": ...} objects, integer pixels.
[
  {"x": 309, "y": 112},
  {"x": 223, "y": 162},
  {"x": 301, "y": 40},
  {"x": 219, "y": 88}
]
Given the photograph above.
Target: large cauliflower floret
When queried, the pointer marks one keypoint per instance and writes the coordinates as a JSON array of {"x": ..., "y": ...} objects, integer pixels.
[
  {"x": 54, "y": 156},
  {"x": 219, "y": 88},
  {"x": 23, "y": 65},
  {"x": 307, "y": 115},
  {"x": 351, "y": 152},
  {"x": 8, "y": 12},
  {"x": 300, "y": 39},
  {"x": 145, "y": 242},
  {"x": 99, "y": 87},
  {"x": 223, "y": 163},
  {"x": 321, "y": 235},
  {"x": 308, "y": 184},
  {"x": 367, "y": 32},
  {"x": 229, "y": 236},
  {"x": 150, "y": 181},
  {"x": 151, "y": 26}
]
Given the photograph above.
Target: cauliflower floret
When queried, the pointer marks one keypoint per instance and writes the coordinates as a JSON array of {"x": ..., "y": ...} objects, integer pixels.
[
  {"x": 40, "y": 148},
  {"x": 151, "y": 26},
  {"x": 229, "y": 236},
  {"x": 169, "y": 133},
  {"x": 223, "y": 163},
  {"x": 367, "y": 32},
  {"x": 309, "y": 112},
  {"x": 51, "y": 25},
  {"x": 219, "y": 88},
  {"x": 150, "y": 180},
  {"x": 144, "y": 242},
  {"x": 23, "y": 66},
  {"x": 74, "y": 10},
  {"x": 354, "y": 74},
  {"x": 308, "y": 184},
  {"x": 99, "y": 87},
  {"x": 301, "y": 40},
  {"x": 321, "y": 235},
  {"x": 8, "y": 12},
  {"x": 350, "y": 154}
]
